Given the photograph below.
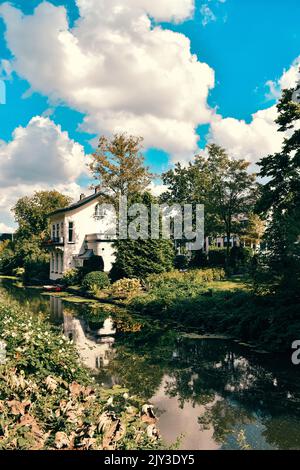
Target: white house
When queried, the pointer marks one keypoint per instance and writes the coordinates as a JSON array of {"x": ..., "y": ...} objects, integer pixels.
[{"x": 80, "y": 231}]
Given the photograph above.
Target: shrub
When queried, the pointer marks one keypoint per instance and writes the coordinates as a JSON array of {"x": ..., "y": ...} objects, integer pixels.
[
  {"x": 19, "y": 272},
  {"x": 37, "y": 269},
  {"x": 126, "y": 288},
  {"x": 181, "y": 262},
  {"x": 95, "y": 281},
  {"x": 187, "y": 279},
  {"x": 71, "y": 277},
  {"x": 217, "y": 257}
]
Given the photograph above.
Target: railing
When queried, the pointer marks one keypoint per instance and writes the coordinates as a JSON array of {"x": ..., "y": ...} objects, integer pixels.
[{"x": 55, "y": 241}]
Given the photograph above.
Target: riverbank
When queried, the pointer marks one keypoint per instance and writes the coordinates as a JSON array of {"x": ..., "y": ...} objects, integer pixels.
[
  {"x": 48, "y": 400},
  {"x": 227, "y": 307}
]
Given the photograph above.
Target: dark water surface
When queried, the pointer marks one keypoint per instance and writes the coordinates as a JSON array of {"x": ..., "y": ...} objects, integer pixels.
[{"x": 216, "y": 393}]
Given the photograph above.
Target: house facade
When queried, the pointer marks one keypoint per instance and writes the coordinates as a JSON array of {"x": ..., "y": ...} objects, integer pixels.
[{"x": 79, "y": 232}]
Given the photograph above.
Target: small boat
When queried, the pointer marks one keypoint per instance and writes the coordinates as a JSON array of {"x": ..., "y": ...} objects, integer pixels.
[{"x": 53, "y": 288}]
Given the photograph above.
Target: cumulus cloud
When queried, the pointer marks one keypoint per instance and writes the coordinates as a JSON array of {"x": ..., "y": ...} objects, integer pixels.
[
  {"x": 260, "y": 137},
  {"x": 288, "y": 79},
  {"x": 40, "y": 156},
  {"x": 116, "y": 66},
  {"x": 40, "y": 152}
]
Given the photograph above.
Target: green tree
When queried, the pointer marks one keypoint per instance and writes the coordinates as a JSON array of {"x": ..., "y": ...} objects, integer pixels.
[
  {"x": 280, "y": 199},
  {"x": 31, "y": 213},
  {"x": 139, "y": 258},
  {"x": 222, "y": 184}
]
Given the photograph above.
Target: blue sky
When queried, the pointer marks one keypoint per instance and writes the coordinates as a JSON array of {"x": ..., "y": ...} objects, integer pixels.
[{"x": 246, "y": 43}]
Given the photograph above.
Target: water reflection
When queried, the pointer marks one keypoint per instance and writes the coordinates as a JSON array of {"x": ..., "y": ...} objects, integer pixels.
[{"x": 208, "y": 390}]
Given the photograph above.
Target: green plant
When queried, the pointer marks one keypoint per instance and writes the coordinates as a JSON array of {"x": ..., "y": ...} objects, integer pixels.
[
  {"x": 19, "y": 272},
  {"x": 126, "y": 288},
  {"x": 95, "y": 281},
  {"x": 71, "y": 277}
]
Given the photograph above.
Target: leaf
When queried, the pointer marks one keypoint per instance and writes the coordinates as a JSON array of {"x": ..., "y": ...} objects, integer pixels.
[
  {"x": 51, "y": 384},
  {"x": 61, "y": 440},
  {"x": 17, "y": 407}
]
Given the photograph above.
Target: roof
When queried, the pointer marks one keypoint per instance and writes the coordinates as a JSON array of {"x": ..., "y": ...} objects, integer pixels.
[
  {"x": 88, "y": 254},
  {"x": 77, "y": 204}
]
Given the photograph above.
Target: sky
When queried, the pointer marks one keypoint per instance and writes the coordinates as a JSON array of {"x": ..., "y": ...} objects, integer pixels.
[{"x": 180, "y": 73}]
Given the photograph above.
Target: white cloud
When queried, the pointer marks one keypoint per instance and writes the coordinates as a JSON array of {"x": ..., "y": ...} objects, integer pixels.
[
  {"x": 260, "y": 137},
  {"x": 39, "y": 157},
  {"x": 116, "y": 67},
  {"x": 288, "y": 79},
  {"x": 40, "y": 153},
  {"x": 5, "y": 228},
  {"x": 207, "y": 14}
]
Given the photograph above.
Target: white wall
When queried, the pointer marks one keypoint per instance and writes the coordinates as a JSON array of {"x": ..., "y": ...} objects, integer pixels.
[{"x": 85, "y": 223}]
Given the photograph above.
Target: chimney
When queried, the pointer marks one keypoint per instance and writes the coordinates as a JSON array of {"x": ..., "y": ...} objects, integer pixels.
[
  {"x": 82, "y": 196},
  {"x": 97, "y": 189}
]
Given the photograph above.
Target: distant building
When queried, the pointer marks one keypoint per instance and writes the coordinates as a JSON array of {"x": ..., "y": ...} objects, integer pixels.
[{"x": 79, "y": 232}]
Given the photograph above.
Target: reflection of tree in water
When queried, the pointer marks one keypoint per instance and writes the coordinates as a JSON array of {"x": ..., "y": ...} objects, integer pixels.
[{"x": 236, "y": 386}]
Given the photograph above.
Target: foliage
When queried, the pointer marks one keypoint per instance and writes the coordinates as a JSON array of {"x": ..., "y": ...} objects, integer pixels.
[
  {"x": 126, "y": 288},
  {"x": 119, "y": 167},
  {"x": 280, "y": 201},
  {"x": 181, "y": 262},
  {"x": 95, "y": 281},
  {"x": 19, "y": 272},
  {"x": 177, "y": 279},
  {"x": 71, "y": 277},
  {"x": 48, "y": 401},
  {"x": 141, "y": 257},
  {"x": 31, "y": 213},
  {"x": 27, "y": 251},
  {"x": 224, "y": 185},
  {"x": 221, "y": 307}
]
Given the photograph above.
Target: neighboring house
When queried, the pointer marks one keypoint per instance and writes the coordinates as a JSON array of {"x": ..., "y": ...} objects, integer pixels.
[{"x": 79, "y": 232}]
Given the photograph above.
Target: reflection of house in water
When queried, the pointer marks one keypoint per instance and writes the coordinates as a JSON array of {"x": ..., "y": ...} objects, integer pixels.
[{"x": 95, "y": 347}]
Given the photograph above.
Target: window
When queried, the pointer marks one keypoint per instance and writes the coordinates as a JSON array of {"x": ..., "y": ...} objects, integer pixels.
[
  {"x": 57, "y": 231},
  {"x": 53, "y": 232},
  {"x": 52, "y": 263},
  {"x": 100, "y": 212},
  {"x": 61, "y": 263},
  {"x": 56, "y": 262},
  {"x": 71, "y": 232}
]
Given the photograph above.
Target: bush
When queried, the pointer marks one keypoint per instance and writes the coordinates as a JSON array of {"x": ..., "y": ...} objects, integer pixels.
[
  {"x": 177, "y": 279},
  {"x": 95, "y": 281},
  {"x": 217, "y": 257},
  {"x": 181, "y": 262},
  {"x": 126, "y": 288},
  {"x": 71, "y": 277},
  {"x": 37, "y": 269},
  {"x": 18, "y": 272}
]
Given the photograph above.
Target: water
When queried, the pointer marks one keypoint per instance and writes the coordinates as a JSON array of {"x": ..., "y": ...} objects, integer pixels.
[{"x": 215, "y": 393}]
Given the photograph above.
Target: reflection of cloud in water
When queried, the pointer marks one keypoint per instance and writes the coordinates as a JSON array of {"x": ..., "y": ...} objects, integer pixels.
[
  {"x": 95, "y": 349},
  {"x": 174, "y": 421}
]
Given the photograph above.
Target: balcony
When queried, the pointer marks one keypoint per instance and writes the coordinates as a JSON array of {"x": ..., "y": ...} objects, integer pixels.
[{"x": 55, "y": 242}]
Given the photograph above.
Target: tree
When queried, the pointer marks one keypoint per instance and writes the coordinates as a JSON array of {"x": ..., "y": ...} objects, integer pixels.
[
  {"x": 221, "y": 183},
  {"x": 232, "y": 190},
  {"x": 119, "y": 167},
  {"x": 31, "y": 213},
  {"x": 280, "y": 199},
  {"x": 140, "y": 258}
]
